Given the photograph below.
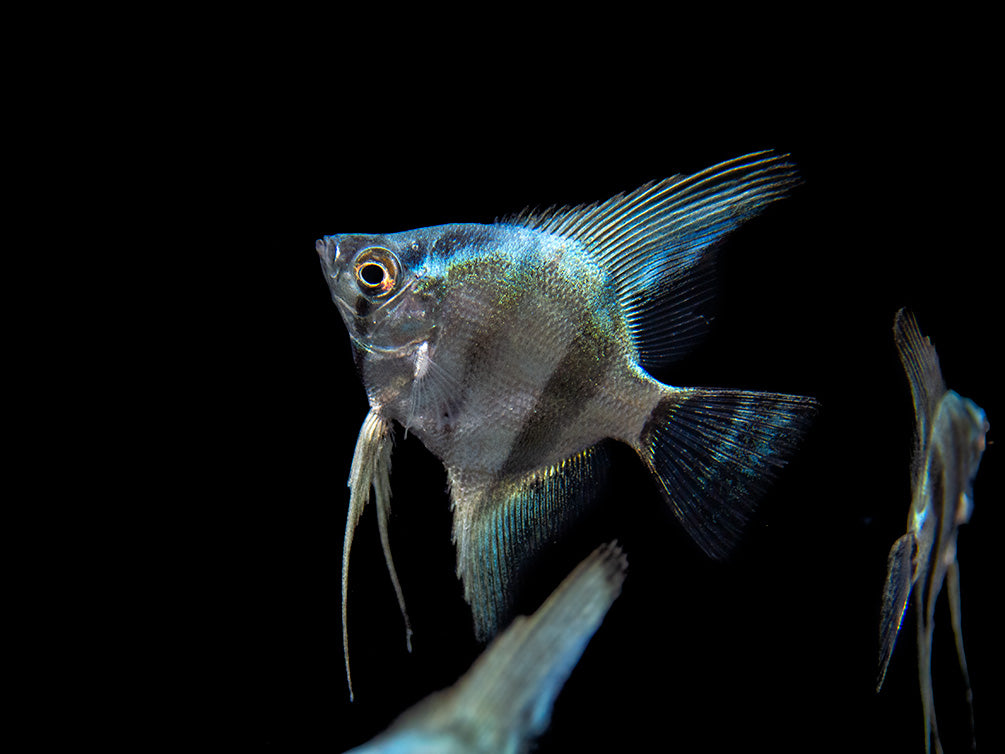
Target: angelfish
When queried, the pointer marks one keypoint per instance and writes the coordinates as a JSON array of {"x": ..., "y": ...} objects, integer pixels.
[
  {"x": 504, "y": 701},
  {"x": 949, "y": 442},
  {"x": 512, "y": 350}
]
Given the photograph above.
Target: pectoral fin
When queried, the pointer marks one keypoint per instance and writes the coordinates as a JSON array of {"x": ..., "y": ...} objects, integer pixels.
[
  {"x": 371, "y": 467},
  {"x": 899, "y": 580},
  {"x": 501, "y": 525},
  {"x": 434, "y": 393}
]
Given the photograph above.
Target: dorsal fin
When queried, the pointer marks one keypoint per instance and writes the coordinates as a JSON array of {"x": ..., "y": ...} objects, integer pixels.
[
  {"x": 921, "y": 363},
  {"x": 652, "y": 240}
]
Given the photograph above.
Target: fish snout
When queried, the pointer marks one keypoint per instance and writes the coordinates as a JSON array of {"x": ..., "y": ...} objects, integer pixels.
[{"x": 327, "y": 249}]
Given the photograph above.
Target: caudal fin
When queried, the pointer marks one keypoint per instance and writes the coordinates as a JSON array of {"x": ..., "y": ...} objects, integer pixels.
[{"x": 714, "y": 453}]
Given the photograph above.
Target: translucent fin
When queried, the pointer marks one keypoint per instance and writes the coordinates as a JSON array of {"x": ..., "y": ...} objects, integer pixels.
[
  {"x": 505, "y": 699},
  {"x": 434, "y": 392},
  {"x": 926, "y": 627},
  {"x": 921, "y": 363},
  {"x": 899, "y": 580},
  {"x": 714, "y": 452},
  {"x": 953, "y": 588},
  {"x": 500, "y": 526},
  {"x": 371, "y": 467},
  {"x": 652, "y": 240}
]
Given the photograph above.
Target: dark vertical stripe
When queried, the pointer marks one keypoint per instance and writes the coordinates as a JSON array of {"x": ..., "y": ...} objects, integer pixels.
[{"x": 576, "y": 380}]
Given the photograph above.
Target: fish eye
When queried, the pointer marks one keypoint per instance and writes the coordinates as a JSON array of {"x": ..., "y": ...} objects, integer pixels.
[
  {"x": 372, "y": 274},
  {"x": 376, "y": 271}
]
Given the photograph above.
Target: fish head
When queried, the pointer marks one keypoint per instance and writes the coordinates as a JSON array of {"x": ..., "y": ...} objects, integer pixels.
[
  {"x": 970, "y": 427},
  {"x": 380, "y": 285}
]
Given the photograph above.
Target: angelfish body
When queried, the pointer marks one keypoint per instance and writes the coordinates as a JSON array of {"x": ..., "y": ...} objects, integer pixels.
[
  {"x": 519, "y": 358},
  {"x": 949, "y": 442},
  {"x": 511, "y": 350}
]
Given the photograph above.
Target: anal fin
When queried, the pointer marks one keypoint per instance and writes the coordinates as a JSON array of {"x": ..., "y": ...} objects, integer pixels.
[
  {"x": 500, "y": 526},
  {"x": 899, "y": 580}
]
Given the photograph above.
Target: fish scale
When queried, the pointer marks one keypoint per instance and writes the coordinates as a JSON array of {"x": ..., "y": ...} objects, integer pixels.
[{"x": 513, "y": 350}]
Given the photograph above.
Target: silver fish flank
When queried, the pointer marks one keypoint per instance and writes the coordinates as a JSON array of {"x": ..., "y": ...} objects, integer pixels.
[
  {"x": 949, "y": 442},
  {"x": 512, "y": 350},
  {"x": 505, "y": 699}
]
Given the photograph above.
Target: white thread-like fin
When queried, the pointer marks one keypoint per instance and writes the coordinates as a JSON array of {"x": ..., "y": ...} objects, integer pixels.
[
  {"x": 953, "y": 587},
  {"x": 371, "y": 468}
]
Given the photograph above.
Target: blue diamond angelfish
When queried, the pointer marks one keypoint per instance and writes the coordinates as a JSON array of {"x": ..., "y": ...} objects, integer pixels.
[
  {"x": 512, "y": 350},
  {"x": 949, "y": 442},
  {"x": 504, "y": 702}
]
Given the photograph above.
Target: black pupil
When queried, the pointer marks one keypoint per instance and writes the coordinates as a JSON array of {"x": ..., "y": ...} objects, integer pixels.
[{"x": 372, "y": 274}]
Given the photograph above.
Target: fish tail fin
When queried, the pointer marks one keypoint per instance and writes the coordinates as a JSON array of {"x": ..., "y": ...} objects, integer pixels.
[{"x": 714, "y": 453}]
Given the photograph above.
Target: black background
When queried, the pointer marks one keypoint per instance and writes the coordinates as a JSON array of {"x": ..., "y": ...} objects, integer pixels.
[{"x": 777, "y": 646}]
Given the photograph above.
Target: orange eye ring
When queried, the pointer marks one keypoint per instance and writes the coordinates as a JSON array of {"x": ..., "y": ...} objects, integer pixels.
[{"x": 376, "y": 271}]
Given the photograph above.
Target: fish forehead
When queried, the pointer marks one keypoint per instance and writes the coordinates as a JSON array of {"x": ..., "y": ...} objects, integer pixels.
[
  {"x": 437, "y": 243},
  {"x": 507, "y": 261}
]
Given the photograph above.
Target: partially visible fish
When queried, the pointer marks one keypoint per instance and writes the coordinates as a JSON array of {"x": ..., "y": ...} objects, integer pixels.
[
  {"x": 512, "y": 350},
  {"x": 949, "y": 442},
  {"x": 505, "y": 699}
]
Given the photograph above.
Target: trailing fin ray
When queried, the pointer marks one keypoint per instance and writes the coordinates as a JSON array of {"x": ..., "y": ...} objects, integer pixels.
[
  {"x": 500, "y": 526},
  {"x": 371, "y": 467},
  {"x": 953, "y": 584},
  {"x": 714, "y": 452}
]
